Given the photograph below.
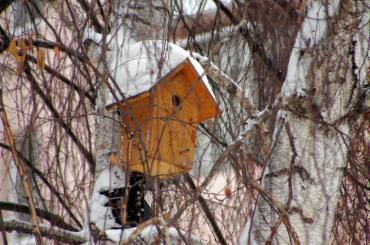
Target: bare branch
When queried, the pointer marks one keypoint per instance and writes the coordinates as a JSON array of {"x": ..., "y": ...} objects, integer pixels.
[
  {"x": 65, "y": 80},
  {"x": 254, "y": 46},
  {"x": 52, "y": 218},
  {"x": 90, "y": 13},
  {"x": 46, "y": 231},
  {"x": 225, "y": 82}
]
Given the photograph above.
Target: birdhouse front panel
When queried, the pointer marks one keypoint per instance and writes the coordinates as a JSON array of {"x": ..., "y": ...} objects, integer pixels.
[
  {"x": 174, "y": 131},
  {"x": 159, "y": 133}
]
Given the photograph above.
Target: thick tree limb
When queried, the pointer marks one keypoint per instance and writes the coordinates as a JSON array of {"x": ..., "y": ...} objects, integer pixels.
[
  {"x": 52, "y": 218},
  {"x": 50, "y": 45},
  {"x": 46, "y": 231}
]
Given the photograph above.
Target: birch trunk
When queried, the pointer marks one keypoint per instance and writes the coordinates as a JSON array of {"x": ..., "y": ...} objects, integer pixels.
[
  {"x": 141, "y": 20},
  {"x": 309, "y": 151},
  {"x": 145, "y": 20}
]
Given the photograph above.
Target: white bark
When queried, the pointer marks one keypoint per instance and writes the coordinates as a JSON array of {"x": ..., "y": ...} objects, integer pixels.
[
  {"x": 309, "y": 151},
  {"x": 315, "y": 179},
  {"x": 146, "y": 21},
  {"x": 107, "y": 133},
  {"x": 143, "y": 17}
]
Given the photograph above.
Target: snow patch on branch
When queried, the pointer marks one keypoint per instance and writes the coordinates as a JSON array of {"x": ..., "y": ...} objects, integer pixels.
[
  {"x": 48, "y": 231},
  {"x": 100, "y": 214},
  {"x": 261, "y": 116}
]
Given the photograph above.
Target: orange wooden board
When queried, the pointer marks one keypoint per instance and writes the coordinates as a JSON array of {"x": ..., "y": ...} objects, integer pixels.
[{"x": 162, "y": 123}]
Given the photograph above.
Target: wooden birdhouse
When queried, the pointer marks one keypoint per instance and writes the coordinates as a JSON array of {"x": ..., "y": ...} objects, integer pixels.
[{"x": 159, "y": 123}]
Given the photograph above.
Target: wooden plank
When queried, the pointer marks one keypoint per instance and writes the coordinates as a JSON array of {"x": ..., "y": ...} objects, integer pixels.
[{"x": 173, "y": 135}]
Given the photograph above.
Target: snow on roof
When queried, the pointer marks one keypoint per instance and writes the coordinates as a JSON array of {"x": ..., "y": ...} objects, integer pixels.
[{"x": 137, "y": 67}]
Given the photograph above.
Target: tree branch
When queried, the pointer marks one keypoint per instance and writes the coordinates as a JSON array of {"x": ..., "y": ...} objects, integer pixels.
[
  {"x": 46, "y": 231},
  {"x": 52, "y": 218},
  {"x": 65, "y": 80},
  {"x": 255, "y": 47},
  {"x": 97, "y": 25},
  {"x": 280, "y": 209},
  {"x": 225, "y": 82}
]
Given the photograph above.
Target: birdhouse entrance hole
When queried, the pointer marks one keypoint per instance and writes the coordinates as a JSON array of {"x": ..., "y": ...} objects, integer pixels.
[{"x": 175, "y": 100}]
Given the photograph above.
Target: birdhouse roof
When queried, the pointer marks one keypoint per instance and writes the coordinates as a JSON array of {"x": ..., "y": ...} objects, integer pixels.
[{"x": 139, "y": 66}]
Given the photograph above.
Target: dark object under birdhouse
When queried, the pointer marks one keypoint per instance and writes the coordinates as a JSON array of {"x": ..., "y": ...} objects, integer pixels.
[{"x": 137, "y": 210}]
